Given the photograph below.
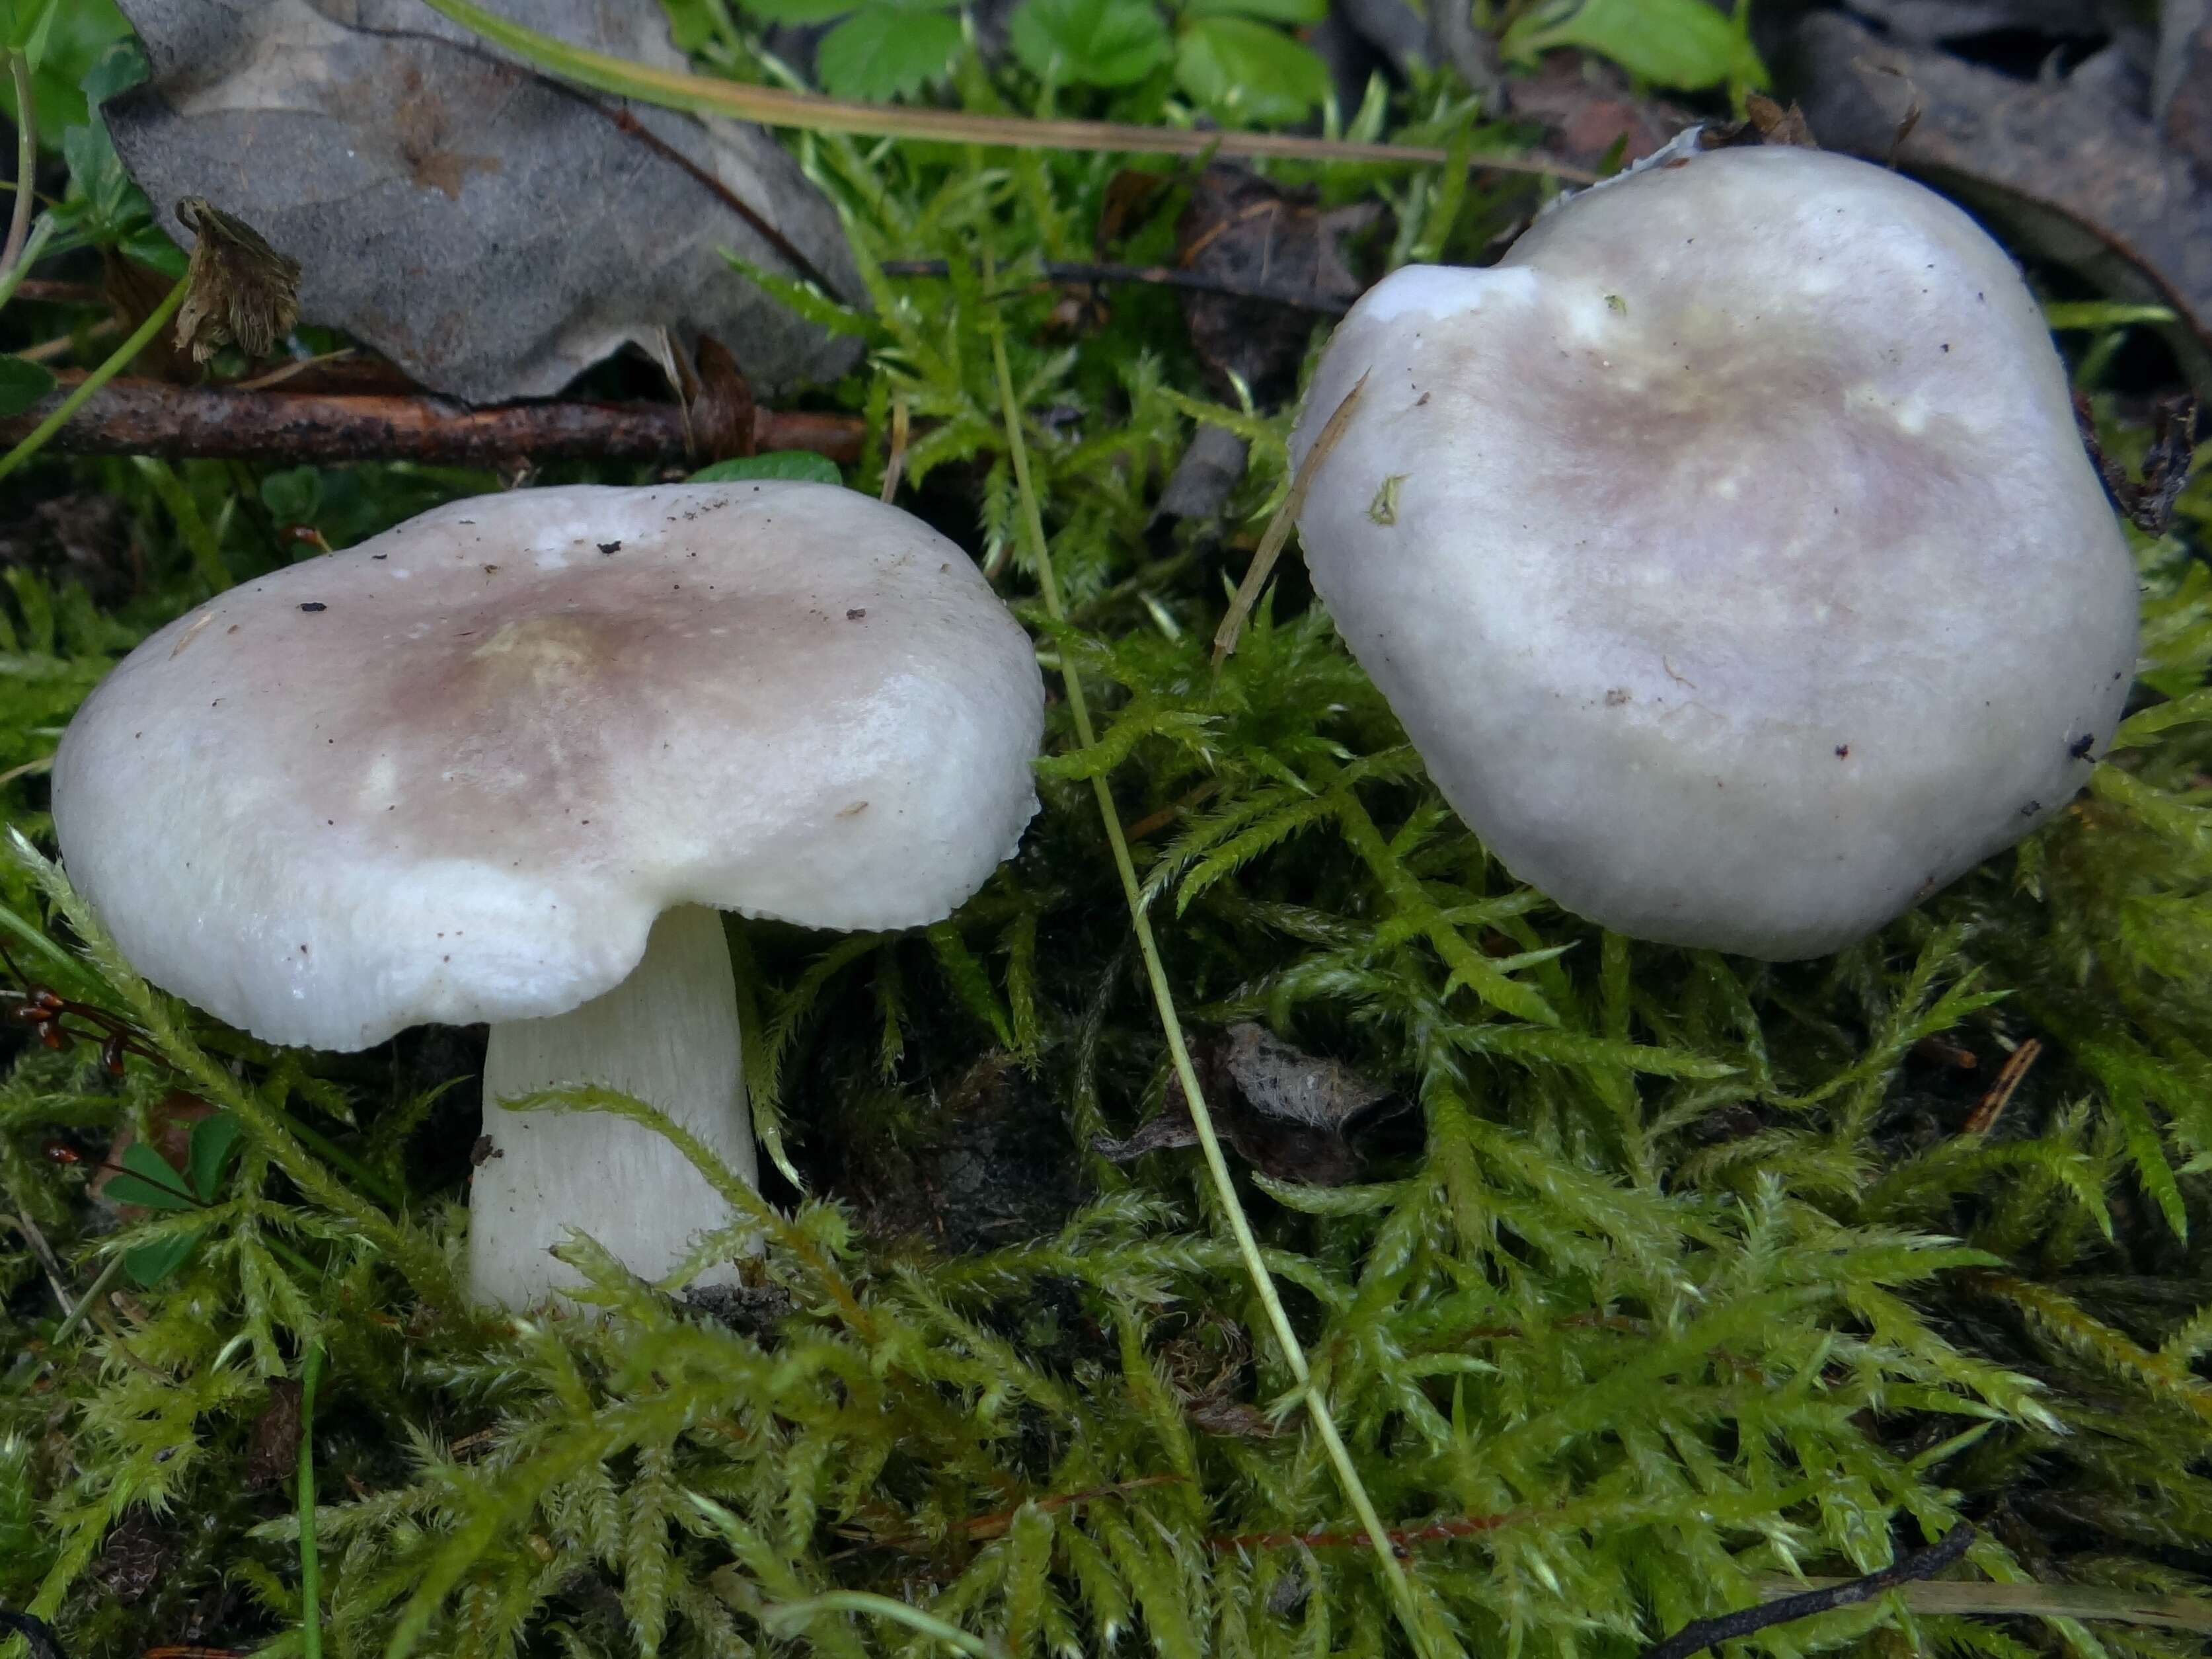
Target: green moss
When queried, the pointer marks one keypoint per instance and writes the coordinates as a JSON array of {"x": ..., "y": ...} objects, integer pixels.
[{"x": 1686, "y": 1277}]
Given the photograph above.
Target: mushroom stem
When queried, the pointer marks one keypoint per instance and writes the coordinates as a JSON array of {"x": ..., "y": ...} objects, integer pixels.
[{"x": 668, "y": 1035}]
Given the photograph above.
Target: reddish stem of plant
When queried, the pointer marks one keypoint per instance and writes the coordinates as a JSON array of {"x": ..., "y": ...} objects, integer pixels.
[{"x": 150, "y": 417}]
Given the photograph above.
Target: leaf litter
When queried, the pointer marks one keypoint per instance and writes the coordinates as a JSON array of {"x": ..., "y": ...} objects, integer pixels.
[{"x": 413, "y": 175}]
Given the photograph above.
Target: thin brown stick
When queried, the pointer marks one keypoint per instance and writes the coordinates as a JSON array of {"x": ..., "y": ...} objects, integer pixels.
[
  {"x": 46, "y": 350},
  {"x": 1153, "y": 823},
  {"x": 2000, "y": 1093},
  {"x": 1280, "y": 527},
  {"x": 60, "y": 293},
  {"x": 1435, "y": 1532},
  {"x": 990, "y": 1526},
  {"x": 297, "y": 367},
  {"x": 1057, "y": 270},
  {"x": 981, "y": 1526},
  {"x": 895, "y": 467},
  {"x": 1694, "y": 1639},
  {"x": 150, "y": 417}
]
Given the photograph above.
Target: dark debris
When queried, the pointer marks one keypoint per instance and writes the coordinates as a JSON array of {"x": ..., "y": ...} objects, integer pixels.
[
  {"x": 1288, "y": 1114},
  {"x": 1245, "y": 228}
]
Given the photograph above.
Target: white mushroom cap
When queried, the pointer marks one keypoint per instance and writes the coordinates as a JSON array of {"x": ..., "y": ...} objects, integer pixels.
[
  {"x": 454, "y": 773},
  {"x": 1744, "y": 578}
]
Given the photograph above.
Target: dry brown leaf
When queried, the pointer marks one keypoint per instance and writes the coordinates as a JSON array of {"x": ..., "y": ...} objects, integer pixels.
[
  {"x": 492, "y": 233},
  {"x": 1245, "y": 228},
  {"x": 1287, "y": 1112},
  {"x": 2073, "y": 169}
]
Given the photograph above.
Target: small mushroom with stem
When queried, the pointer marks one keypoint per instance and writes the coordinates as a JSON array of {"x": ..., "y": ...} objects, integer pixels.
[
  {"x": 506, "y": 761},
  {"x": 1728, "y": 550}
]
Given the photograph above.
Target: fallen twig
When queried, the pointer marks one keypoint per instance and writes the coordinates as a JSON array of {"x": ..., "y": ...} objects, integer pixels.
[
  {"x": 151, "y": 417},
  {"x": 1732, "y": 1627},
  {"x": 60, "y": 293},
  {"x": 982, "y": 1528},
  {"x": 1055, "y": 271},
  {"x": 2033, "y": 1600},
  {"x": 1985, "y": 1115},
  {"x": 1400, "y": 1538}
]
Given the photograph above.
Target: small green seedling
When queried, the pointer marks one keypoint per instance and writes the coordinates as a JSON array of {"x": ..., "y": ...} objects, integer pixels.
[
  {"x": 103, "y": 208},
  {"x": 800, "y": 466},
  {"x": 22, "y": 383},
  {"x": 151, "y": 1182},
  {"x": 1669, "y": 43}
]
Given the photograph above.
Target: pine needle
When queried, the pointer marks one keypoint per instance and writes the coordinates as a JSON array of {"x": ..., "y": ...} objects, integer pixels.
[
  {"x": 1280, "y": 527},
  {"x": 773, "y": 106}
]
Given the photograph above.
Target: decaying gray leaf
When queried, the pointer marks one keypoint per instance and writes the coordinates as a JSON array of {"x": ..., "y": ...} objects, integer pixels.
[
  {"x": 2181, "y": 80},
  {"x": 1590, "y": 110},
  {"x": 1243, "y": 228},
  {"x": 1289, "y": 1114},
  {"x": 492, "y": 233},
  {"x": 2072, "y": 169},
  {"x": 1210, "y": 470},
  {"x": 1939, "y": 23},
  {"x": 1293, "y": 1086}
]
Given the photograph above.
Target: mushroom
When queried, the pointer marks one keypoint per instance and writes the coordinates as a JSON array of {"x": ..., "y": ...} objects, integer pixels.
[
  {"x": 495, "y": 763},
  {"x": 1729, "y": 551}
]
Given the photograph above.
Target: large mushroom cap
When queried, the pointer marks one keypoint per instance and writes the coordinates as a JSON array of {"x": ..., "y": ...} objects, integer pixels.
[
  {"x": 455, "y": 772},
  {"x": 1730, "y": 552}
]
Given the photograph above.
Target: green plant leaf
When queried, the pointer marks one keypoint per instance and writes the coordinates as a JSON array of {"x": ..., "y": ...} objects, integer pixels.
[
  {"x": 1674, "y": 43},
  {"x": 151, "y": 1182},
  {"x": 120, "y": 66},
  {"x": 1273, "y": 11},
  {"x": 30, "y": 26},
  {"x": 214, "y": 1139},
  {"x": 797, "y": 11},
  {"x": 293, "y": 496},
  {"x": 22, "y": 383},
  {"x": 103, "y": 206},
  {"x": 149, "y": 245},
  {"x": 802, "y": 466},
  {"x": 150, "y": 1264},
  {"x": 2101, "y": 314},
  {"x": 1247, "y": 71},
  {"x": 75, "y": 36},
  {"x": 1090, "y": 43},
  {"x": 690, "y": 24},
  {"x": 884, "y": 51}
]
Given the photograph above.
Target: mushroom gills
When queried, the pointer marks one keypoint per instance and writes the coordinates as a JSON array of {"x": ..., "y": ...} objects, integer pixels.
[{"x": 667, "y": 1034}]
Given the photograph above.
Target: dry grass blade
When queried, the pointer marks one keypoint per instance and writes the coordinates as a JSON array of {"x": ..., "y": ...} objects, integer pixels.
[
  {"x": 775, "y": 107},
  {"x": 1279, "y": 526},
  {"x": 1985, "y": 1114},
  {"x": 895, "y": 466},
  {"x": 2030, "y": 1601}
]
